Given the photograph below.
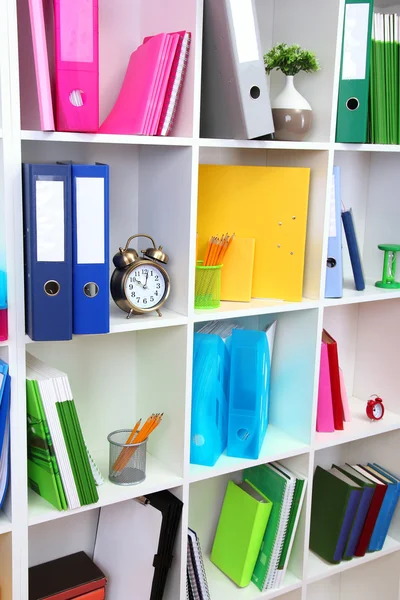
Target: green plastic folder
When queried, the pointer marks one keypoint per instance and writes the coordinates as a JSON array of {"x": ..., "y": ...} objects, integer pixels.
[
  {"x": 352, "y": 113},
  {"x": 272, "y": 485},
  {"x": 240, "y": 531},
  {"x": 43, "y": 474}
]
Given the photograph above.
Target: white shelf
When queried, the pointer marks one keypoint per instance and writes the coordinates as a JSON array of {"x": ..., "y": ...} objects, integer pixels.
[
  {"x": 367, "y": 147},
  {"x": 102, "y": 138},
  {"x": 370, "y": 294},
  {"x": 277, "y": 446},
  {"x": 4, "y": 344},
  {"x": 5, "y": 524},
  {"x": 158, "y": 478},
  {"x": 222, "y": 588},
  {"x": 234, "y": 310},
  {"x": 319, "y": 569},
  {"x": 359, "y": 427},
  {"x": 264, "y": 145}
]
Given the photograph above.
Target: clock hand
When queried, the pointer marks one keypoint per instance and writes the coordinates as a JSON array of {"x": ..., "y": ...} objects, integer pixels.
[{"x": 145, "y": 283}]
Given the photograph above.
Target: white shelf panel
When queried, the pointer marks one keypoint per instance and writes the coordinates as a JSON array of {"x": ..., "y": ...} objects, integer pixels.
[
  {"x": 370, "y": 294},
  {"x": 319, "y": 569},
  {"x": 221, "y": 587},
  {"x": 232, "y": 310},
  {"x": 5, "y": 524},
  {"x": 103, "y": 138},
  {"x": 265, "y": 145},
  {"x": 277, "y": 446},
  {"x": 159, "y": 477},
  {"x": 4, "y": 344},
  {"x": 368, "y": 147},
  {"x": 359, "y": 427},
  {"x": 120, "y": 324}
]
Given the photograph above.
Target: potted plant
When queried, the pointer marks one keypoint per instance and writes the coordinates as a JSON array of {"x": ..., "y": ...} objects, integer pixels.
[{"x": 291, "y": 111}]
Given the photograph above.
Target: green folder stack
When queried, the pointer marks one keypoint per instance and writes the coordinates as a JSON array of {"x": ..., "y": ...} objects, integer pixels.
[
  {"x": 60, "y": 468},
  {"x": 384, "y": 121}
]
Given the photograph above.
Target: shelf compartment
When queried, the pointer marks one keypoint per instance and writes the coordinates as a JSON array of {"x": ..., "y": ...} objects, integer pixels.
[
  {"x": 319, "y": 569},
  {"x": 5, "y": 523},
  {"x": 158, "y": 477},
  {"x": 359, "y": 427}
]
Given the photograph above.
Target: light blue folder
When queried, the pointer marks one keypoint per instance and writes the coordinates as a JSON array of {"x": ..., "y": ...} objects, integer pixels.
[
  {"x": 209, "y": 399},
  {"x": 387, "y": 509},
  {"x": 251, "y": 353},
  {"x": 334, "y": 263},
  {"x": 3, "y": 290}
]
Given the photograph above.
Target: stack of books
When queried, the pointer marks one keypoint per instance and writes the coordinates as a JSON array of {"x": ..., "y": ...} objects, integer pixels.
[
  {"x": 352, "y": 508},
  {"x": 333, "y": 404},
  {"x": 60, "y": 468},
  {"x": 384, "y": 120},
  {"x": 257, "y": 526},
  {"x": 5, "y": 398}
]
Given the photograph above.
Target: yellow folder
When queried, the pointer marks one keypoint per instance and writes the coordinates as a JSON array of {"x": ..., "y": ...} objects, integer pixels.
[
  {"x": 269, "y": 204},
  {"x": 237, "y": 272}
]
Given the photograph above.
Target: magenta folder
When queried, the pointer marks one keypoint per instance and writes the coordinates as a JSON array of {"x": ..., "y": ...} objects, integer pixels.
[
  {"x": 77, "y": 65},
  {"x": 324, "y": 409},
  {"x": 131, "y": 111},
  {"x": 42, "y": 73}
]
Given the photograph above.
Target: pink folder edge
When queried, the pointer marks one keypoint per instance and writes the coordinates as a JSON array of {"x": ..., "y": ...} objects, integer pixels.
[
  {"x": 40, "y": 54},
  {"x": 325, "y": 423},
  {"x": 345, "y": 399}
]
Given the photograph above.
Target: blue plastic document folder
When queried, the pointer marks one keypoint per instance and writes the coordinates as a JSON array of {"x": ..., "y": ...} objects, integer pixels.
[
  {"x": 251, "y": 353},
  {"x": 209, "y": 399}
]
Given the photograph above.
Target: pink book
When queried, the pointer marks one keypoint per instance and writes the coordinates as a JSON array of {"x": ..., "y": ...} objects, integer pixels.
[
  {"x": 325, "y": 422},
  {"x": 77, "y": 65},
  {"x": 131, "y": 109},
  {"x": 162, "y": 82},
  {"x": 345, "y": 400},
  {"x": 40, "y": 54}
]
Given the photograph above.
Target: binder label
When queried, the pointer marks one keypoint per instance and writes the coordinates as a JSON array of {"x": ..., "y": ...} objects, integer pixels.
[
  {"x": 50, "y": 222},
  {"x": 76, "y": 32},
  {"x": 90, "y": 220},
  {"x": 245, "y": 30},
  {"x": 355, "y": 41}
]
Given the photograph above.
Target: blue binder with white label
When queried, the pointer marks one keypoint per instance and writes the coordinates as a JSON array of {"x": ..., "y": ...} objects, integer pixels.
[
  {"x": 48, "y": 251},
  {"x": 334, "y": 262}
]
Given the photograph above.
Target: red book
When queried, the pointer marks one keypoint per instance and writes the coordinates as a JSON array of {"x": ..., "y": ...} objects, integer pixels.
[
  {"x": 333, "y": 358},
  {"x": 373, "y": 512},
  {"x": 95, "y": 595}
]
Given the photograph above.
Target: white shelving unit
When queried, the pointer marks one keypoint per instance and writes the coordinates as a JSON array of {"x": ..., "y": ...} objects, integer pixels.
[{"x": 145, "y": 364}]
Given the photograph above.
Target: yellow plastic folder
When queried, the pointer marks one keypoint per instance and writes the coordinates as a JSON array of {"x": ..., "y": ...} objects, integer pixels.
[
  {"x": 237, "y": 272},
  {"x": 269, "y": 204}
]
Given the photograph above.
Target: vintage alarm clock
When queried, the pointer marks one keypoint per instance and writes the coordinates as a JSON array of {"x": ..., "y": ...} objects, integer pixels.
[
  {"x": 375, "y": 408},
  {"x": 140, "y": 284}
]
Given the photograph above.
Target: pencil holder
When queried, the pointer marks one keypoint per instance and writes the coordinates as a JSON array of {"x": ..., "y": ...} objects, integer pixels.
[
  {"x": 127, "y": 461},
  {"x": 208, "y": 286}
]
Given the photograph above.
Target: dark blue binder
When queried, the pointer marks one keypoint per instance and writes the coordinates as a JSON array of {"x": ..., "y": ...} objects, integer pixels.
[
  {"x": 355, "y": 258},
  {"x": 48, "y": 251},
  {"x": 90, "y": 227}
]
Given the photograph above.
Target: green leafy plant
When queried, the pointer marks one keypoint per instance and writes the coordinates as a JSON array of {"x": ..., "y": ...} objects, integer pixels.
[{"x": 290, "y": 60}]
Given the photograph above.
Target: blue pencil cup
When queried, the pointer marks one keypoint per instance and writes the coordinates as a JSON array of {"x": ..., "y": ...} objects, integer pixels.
[{"x": 209, "y": 399}]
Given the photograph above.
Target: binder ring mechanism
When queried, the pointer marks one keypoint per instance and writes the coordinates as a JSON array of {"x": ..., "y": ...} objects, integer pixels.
[
  {"x": 353, "y": 103},
  {"x": 51, "y": 288}
]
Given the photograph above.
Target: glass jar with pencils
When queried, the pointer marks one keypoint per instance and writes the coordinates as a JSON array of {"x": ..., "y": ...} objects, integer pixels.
[
  {"x": 127, "y": 465},
  {"x": 208, "y": 273}
]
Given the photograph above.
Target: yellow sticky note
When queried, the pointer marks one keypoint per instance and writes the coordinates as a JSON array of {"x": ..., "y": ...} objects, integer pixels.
[
  {"x": 269, "y": 204},
  {"x": 237, "y": 272}
]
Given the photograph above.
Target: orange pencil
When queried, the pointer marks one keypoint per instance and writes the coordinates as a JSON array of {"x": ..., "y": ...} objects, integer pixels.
[{"x": 210, "y": 241}]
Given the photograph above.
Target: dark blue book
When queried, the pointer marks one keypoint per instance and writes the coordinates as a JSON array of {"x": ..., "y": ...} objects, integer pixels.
[{"x": 352, "y": 244}]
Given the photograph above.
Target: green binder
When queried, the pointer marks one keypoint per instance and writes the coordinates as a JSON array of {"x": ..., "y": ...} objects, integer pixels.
[
  {"x": 241, "y": 526},
  {"x": 43, "y": 474},
  {"x": 352, "y": 113},
  {"x": 272, "y": 485}
]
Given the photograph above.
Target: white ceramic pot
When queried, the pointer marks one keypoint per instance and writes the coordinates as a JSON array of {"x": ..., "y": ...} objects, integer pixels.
[{"x": 292, "y": 113}]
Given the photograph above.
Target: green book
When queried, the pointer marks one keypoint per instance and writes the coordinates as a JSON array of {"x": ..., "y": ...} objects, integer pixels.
[
  {"x": 241, "y": 526},
  {"x": 43, "y": 474},
  {"x": 272, "y": 485}
]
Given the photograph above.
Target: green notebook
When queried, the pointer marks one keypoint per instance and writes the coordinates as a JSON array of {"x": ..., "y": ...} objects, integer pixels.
[
  {"x": 272, "y": 485},
  {"x": 241, "y": 526},
  {"x": 43, "y": 474}
]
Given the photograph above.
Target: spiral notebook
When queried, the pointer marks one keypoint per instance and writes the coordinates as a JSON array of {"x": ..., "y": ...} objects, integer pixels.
[{"x": 196, "y": 574}]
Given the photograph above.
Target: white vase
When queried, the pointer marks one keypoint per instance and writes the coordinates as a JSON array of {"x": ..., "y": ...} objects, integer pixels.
[{"x": 292, "y": 113}]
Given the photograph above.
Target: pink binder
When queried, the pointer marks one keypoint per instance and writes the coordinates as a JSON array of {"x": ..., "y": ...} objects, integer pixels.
[
  {"x": 325, "y": 422},
  {"x": 77, "y": 65},
  {"x": 131, "y": 111},
  {"x": 345, "y": 400},
  {"x": 41, "y": 65}
]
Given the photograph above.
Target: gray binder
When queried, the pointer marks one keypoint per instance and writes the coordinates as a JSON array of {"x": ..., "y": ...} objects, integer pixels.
[{"x": 235, "y": 98}]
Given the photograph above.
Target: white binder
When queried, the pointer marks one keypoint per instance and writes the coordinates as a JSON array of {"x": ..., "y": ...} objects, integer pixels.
[{"x": 235, "y": 96}]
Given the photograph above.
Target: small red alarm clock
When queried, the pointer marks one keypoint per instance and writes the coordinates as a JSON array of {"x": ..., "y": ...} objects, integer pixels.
[{"x": 375, "y": 408}]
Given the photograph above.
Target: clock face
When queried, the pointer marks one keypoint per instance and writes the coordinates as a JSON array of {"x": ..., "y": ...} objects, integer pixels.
[
  {"x": 145, "y": 287},
  {"x": 377, "y": 410}
]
